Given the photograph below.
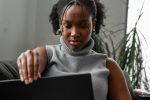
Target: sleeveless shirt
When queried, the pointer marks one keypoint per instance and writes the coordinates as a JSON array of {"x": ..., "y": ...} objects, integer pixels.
[{"x": 63, "y": 61}]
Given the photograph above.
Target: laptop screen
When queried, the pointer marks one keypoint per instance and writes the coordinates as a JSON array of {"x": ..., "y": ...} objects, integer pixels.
[{"x": 72, "y": 87}]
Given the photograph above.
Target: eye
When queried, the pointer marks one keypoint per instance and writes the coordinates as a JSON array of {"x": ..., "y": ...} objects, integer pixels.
[
  {"x": 83, "y": 25},
  {"x": 67, "y": 25}
]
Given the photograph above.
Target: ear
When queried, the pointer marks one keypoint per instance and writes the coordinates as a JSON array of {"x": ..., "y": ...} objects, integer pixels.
[
  {"x": 94, "y": 22},
  {"x": 61, "y": 27}
]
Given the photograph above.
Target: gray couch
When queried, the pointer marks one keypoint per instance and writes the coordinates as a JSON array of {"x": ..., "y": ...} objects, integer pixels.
[{"x": 8, "y": 70}]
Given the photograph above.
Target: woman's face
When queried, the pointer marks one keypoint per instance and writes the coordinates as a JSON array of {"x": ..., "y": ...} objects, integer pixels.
[{"x": 76, "y": 27}]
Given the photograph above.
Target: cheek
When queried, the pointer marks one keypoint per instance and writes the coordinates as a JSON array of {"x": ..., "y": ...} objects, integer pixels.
[
  {"x": 65, "y": 34},
  {"x": 89, "y": 30},
  {"x": 88, "y": 33}
]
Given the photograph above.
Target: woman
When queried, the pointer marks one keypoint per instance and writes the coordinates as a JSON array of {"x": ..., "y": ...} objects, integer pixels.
[{"x": 76, "y": 21}]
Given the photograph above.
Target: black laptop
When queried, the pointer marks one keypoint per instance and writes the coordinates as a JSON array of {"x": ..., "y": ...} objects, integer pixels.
[{"x": 72, "y": 87}]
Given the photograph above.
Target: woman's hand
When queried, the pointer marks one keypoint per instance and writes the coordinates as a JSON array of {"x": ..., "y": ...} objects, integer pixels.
[{"x": 31, "y": 64}]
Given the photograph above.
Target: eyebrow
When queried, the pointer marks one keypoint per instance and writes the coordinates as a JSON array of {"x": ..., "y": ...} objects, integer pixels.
[{"x": 68, "y": 21}]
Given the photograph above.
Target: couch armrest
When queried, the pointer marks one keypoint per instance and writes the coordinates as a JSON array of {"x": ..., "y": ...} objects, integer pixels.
[{"x": 8, "y": 70}]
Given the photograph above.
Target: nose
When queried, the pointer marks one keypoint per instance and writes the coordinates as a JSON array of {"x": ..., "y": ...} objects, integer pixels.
[{"x": 75, "y": 32}]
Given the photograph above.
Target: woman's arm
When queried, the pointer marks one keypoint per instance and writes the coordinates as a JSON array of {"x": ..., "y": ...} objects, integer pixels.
[
  {"x": 31, "y": 64},
  {"x": 117, "y": 86}
]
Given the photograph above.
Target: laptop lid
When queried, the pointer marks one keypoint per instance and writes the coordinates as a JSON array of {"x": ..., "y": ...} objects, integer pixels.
[{"x": 72, "y": 87}]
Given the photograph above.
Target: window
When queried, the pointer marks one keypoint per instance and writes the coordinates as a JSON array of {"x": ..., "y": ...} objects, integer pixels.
[{"x": 143, "y": 26}]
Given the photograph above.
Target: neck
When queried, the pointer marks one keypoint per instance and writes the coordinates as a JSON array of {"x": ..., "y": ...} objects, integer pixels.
[{"x": 83, "y": 51}]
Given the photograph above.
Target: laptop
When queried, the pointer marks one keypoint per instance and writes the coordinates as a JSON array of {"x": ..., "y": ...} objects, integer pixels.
[{"x": 72, "y": 87}]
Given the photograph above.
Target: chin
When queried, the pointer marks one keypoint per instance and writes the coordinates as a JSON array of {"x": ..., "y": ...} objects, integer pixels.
[{"x": 75, "y": 49}]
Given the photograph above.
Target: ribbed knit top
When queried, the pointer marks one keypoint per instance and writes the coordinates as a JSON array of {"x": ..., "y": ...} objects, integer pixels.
[{"x": 63, "y": 61}]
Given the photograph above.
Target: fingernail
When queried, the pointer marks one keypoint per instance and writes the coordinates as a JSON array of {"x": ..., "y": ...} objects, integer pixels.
[
  {"x": 30, "y": 80},
  {"x": 26, "y": 82},
  {"x": 21, "y": 78},
  {"x": 35, "y": 77},
  {"x": 39, "y": 75}
]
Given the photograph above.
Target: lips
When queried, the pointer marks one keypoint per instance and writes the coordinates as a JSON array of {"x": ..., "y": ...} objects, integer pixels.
[{"x": 75, "y": 42}]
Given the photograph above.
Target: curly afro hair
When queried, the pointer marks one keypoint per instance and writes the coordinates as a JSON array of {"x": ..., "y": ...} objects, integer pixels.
[{"x": 96, "y": 9}]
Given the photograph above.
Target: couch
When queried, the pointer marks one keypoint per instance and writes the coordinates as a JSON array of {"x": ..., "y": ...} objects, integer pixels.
[{"x": 8, "y": 70}]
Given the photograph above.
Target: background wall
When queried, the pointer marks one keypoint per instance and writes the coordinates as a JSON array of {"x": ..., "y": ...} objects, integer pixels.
[
  {"x": 13, "y": 27},
  {"x": 24, "y": 24}
]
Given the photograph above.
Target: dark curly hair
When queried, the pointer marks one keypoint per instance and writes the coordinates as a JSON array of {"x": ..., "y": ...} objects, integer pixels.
[{"x": 95, "y": 7}]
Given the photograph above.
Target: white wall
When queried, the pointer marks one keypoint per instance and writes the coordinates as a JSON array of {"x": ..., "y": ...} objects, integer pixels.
[
  {"x": 44, "y": 34},
  {"x": 13, "y": 28},
  {"x": 24, "y": 24},
  {"x": 116, "y": 17},
  {"x": 115, "y": 12},
  {"x": 143, "y": 27}
]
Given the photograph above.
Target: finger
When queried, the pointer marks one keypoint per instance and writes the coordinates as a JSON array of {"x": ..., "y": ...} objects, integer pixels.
[
  {"x": 36, "y": 65},
  {"x": 39, "y": 74},
  {"x": 19, "y": 68},
  {"x": 24, "y": 67},
  {"x": 30, "y": 65}
]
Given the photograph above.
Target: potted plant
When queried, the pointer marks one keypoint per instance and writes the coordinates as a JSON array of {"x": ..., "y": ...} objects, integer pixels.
[{"x": 130, "y": 56}]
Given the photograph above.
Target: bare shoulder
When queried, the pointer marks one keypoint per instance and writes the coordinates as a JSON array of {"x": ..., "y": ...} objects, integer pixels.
[
  {"x": 112, "y": 65},
  {"x": 115, "y": 70},
  {"x": 117, "y": 82}
]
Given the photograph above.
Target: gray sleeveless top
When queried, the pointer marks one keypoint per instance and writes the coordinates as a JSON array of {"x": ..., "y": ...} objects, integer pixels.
[{"x": 63, "y": 61}]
